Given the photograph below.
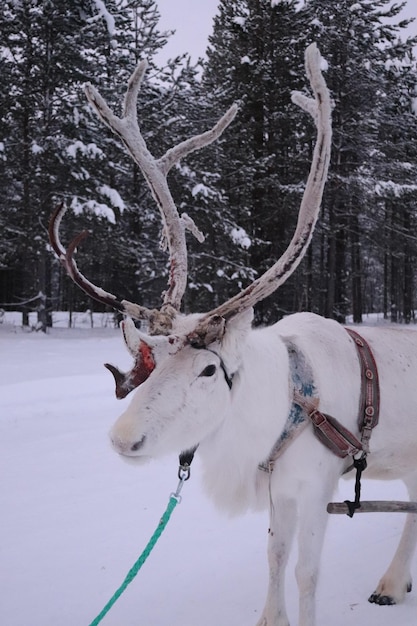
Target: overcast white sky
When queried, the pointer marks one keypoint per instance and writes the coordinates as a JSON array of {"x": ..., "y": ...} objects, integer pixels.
[{"x": 192, "y": 21}]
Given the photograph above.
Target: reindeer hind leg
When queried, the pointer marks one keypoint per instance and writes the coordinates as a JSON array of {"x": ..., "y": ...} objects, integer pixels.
[{"x": 396, "y": 581}]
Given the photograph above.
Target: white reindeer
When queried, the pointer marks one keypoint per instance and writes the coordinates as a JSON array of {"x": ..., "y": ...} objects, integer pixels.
[{"x": 211, "y": 380}]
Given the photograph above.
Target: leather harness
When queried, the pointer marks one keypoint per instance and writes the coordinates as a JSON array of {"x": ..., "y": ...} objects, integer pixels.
[
  {"x": 370, "y": 394},
  {"x": 327, "y": 429},
  {"x": 304, "y": 410}
]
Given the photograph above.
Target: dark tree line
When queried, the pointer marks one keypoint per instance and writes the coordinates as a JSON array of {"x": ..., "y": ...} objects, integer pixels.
[
  {"x": 362, "y": 257},
  {"x": 242, "y": 192}
]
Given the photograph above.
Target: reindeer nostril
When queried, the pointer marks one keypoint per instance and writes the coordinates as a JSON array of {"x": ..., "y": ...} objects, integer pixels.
[{"x": 136, "y": 446}]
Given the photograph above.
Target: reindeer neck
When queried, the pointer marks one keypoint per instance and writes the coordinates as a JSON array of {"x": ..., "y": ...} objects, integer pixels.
[{"x": 260, "y": 403}]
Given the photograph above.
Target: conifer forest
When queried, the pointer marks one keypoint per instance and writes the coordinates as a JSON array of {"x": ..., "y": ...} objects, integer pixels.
[{"x": 243, "y": 192}]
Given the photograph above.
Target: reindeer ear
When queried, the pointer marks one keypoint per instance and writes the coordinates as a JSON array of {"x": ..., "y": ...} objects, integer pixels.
[
  {"x": 241, "y": 322},
  {"x": 236, "y": 331},
  {"x": 131, "y": 336}
]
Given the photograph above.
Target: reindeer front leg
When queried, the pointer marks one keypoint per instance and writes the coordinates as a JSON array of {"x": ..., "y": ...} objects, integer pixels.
[
  {"x": 307, "y": 509},
  {"x": 283, "y": 517},
  {"x": 313, "y": 519}
]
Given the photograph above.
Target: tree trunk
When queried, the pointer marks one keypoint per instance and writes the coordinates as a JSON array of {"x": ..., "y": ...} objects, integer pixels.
[{"x": 357, "y": 306}]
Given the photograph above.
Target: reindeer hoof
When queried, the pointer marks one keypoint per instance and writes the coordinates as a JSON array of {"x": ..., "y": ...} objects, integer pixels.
[
  {"x": 375, "y": 598},
  {"x": 387, "y": 594}
]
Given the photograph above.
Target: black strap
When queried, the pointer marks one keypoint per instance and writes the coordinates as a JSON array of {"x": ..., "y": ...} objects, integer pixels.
[
  {"x": 186, "y": 457},
  {"x": 360, "y": 465},
  {"x": 228, "y": 377}
]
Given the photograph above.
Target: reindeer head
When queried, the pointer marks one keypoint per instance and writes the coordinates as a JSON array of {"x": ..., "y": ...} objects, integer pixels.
[
  {"x": 187, "y": 394},
  {"x": 184, "y": 366}
]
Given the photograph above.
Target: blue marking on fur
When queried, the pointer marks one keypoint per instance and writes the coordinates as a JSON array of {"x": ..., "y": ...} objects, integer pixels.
[{"x": 302, "y": 379}]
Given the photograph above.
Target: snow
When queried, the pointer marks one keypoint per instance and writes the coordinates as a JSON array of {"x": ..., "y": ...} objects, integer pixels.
[
  {"x": 383, "y": 188},
  {"x": 36, "y": 148},
  {"x": 89, "y": 150},
  {"x": 200, "y": 189},
  {"x": 102, "y": 210},
  {"x": 74, "y": 517},
  {"x": 316, "y": 22},
  {"x": 276, "y": 2},
  {"x": 240, "y": 237},
  {"x": 113, "y": 195},
  {"x": 99, "y": 208},
  {"x": 106, "y": 15}
]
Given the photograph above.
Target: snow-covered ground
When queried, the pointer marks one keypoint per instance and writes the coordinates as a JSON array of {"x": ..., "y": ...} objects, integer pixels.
[{"x": 74, "y": 517}]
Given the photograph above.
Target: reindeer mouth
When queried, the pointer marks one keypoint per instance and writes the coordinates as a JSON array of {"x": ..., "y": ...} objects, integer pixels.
[
  {"x": 134, "y": 454},
  {"x": 136, "y": 460}
]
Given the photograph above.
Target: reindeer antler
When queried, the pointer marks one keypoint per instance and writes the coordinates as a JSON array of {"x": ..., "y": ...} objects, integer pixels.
[
  {"x": 66, "y": 256},
  {"x": 155, "y": 172},
  {"x": 212, "y": 324}
]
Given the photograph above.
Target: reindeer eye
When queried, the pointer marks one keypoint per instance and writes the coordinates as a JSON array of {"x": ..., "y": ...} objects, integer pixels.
[{"x": 210, "y": 370}]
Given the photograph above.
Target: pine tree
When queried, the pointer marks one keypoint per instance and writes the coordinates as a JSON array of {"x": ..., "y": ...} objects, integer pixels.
[
  {"x": 41, "y": 56},
  {"x": 216, "y": 266},
  {"x": 56, "y": 149},
  {"x": 395, "y": 173},
  {"x": 357, "y": 43},
  {"x": 256, "y": 58}
]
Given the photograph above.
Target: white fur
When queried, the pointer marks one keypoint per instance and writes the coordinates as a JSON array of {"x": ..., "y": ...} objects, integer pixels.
[{"x": 176, "y": 408}]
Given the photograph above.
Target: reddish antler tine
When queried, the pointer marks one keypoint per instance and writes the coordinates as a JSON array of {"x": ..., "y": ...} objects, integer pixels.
[
  {"x": 53, "y": 230},
  {"x": 159, "y": 320},
  {"x": 66, "y": 257},
  {"x": 141, "y": 370},
  {"x": 70, "y": 263},
  {"x": 121, "y": 379}
]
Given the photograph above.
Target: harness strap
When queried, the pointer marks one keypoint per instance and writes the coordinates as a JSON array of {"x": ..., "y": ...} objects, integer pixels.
[
  {"x": 334, "y": 436},
  {"x": 370, "y": 394},
  {"x": 328, "y": 429}
]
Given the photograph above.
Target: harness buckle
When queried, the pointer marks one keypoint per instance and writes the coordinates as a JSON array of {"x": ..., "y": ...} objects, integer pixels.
[
  {"x": 184, "y": 472},
  {"x": 365, "y": 438}
]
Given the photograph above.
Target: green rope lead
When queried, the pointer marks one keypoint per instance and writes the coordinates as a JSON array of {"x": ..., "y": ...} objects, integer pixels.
[{"x": 173, "y": 501}]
